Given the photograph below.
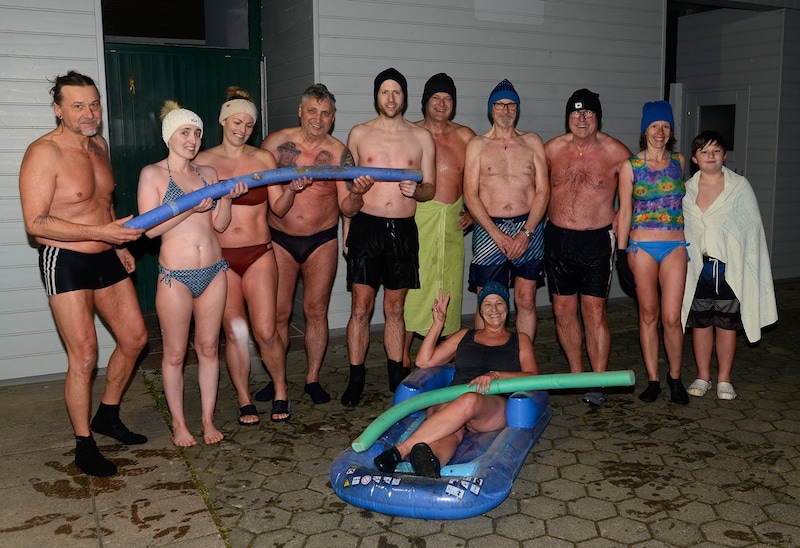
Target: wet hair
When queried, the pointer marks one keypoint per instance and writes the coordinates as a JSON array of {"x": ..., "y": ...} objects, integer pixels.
[
  {"x": 671, "y": 142},
  {"x": 319, "y": 92},
  {"x": 706, "y": 138},
  {"x": 72, "y": 78}
]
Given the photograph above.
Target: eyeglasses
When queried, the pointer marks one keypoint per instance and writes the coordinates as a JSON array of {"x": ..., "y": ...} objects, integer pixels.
[
  {"x": 588, "y": 114},
  {"x": 511, "y": 107}
]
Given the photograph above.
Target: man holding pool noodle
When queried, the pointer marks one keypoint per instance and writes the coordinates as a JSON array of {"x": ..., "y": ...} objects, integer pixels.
[{"x": 261, "y": 178}]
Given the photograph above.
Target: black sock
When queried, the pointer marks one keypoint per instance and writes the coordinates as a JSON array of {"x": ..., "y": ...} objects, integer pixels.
[
  {"x": 89, "y": 459},
  {"x": 355, "y": 386},
  {"x": 266, "y": 393},
  {"x": 317, "y": 393},
  {"x": 396, "y": 373},
  {"x": 358, "y": 373},
  {"x": 107, "y": 412},
  {"x": 107, "y": 422}
]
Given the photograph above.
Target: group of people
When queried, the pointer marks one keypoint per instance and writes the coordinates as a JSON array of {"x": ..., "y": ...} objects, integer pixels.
[
  {"x": 711, "y": 223},
  {"x": 535, "y": 208}
]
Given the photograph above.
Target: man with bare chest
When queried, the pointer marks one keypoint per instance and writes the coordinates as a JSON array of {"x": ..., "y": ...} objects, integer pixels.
[
  {"x": 304, "y": 222},
  {"x": 506, "y": 190},
  {"x": 579, "y": 237},
  {"x": 441, "y": 221},
  {"x": 66, "y": 186},
  {"x": 382, "y": 242}
]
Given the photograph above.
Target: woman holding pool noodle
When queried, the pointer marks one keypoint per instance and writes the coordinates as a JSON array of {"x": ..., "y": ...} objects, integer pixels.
[
  {"x": 481, "y": 357},
  {"x": 191, "y": 280}
]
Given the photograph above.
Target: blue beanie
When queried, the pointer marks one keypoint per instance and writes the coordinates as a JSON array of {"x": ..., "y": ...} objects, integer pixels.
[
  {"x": 503, "y": 90},
  {"x": 493, "y": 288},
  {"x": 656, "y": 111}
]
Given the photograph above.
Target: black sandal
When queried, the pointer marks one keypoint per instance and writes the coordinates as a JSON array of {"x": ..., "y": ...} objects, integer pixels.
[
  {"x": 387, "y": 461},
  {"x": 248, "y": 411},
  {"x": 280, "y": 407},
  {"x": 424, "y": 461}
]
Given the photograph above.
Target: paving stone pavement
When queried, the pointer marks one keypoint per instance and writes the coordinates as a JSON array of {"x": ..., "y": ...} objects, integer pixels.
[{"x": 712, "y": 473}]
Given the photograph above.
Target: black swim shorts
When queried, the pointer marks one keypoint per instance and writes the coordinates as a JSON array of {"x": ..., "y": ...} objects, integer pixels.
[
  {"x": 383, "y": 251},
  {"x": 65, "y": 270},
  {"x": 579, "y": 261}
]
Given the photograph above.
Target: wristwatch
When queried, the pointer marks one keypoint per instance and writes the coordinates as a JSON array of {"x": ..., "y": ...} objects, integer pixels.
[{"x": 527, "y": 233}]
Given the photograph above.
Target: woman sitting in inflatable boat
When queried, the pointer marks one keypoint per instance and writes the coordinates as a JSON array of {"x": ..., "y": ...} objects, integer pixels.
[{"x": 480, "y": 357}]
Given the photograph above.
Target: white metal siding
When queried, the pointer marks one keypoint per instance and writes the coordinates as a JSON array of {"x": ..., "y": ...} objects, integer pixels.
[
  {"x": 614, "y": 48},
  {"x": 288, "y": 29},
  {"x": 289, "y": 50},
  {"x": 786, "y": 236},
  {"x": 39, "y": 39},
  {"x": 733, "y": 49}
]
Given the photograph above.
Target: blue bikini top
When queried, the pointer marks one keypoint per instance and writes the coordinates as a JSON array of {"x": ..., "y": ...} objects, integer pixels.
[{"x": 174, "y": 191}]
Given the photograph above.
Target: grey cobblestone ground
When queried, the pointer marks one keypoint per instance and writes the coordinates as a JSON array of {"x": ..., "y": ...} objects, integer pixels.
[{"x": 713, "y": 473}]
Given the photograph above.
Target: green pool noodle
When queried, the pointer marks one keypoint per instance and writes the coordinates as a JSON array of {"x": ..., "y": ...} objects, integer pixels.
[{"x": 557, "y": 381}]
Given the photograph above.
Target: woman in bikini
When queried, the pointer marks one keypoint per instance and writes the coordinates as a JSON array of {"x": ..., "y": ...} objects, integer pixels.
[
  {"x": 650, "y": 229},
  {"x": 253, "y": 273},
  {"x": 191, "y": 280}
]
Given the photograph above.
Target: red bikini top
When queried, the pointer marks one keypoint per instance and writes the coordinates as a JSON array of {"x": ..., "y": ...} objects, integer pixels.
[{"x": 254, "y": 196}]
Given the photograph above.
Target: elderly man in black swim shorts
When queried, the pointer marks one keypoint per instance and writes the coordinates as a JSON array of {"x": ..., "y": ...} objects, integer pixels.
[
  {"x": 579, "y": 239},
  {"x": 66, "y": 186},
  {"x": 305, "y": 227}
]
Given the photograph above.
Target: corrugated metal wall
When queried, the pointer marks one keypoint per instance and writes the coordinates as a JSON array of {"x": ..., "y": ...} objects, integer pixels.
[
  {"x": 548, "y": 49},
  {"x": 39, "y": 39},
  {"x": 288, "y": 46}
]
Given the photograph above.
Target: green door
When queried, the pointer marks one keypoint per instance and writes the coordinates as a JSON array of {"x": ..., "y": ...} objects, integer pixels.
[{"x": 139, "y": 79}]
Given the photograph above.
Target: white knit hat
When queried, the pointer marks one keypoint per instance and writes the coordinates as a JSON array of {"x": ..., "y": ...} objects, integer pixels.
[
  {"x": 237, "y": 106},
  {"x": 177, "y": 118}
]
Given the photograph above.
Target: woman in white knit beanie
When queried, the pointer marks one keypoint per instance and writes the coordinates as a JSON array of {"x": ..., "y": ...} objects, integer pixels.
[{"x": 191, "y": 280}]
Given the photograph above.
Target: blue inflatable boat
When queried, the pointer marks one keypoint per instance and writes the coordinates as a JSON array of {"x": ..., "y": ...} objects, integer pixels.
[{"x": 478, "y": 477}]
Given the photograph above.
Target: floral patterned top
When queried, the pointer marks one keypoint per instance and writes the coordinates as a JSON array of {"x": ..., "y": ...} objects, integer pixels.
[{"x": 657, "y": 195}]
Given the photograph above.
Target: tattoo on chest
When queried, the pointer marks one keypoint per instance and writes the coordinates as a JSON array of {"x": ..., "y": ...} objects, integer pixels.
[
  {"x": 287, "y": 154},
  {"x": 324, "y": 158}
]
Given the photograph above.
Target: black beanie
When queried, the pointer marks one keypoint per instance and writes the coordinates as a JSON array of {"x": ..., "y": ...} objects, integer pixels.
[
  {"x": 583, "y": 99},
  {"x": 439, "y": 83},
  {"x": 391, "y": 74}
]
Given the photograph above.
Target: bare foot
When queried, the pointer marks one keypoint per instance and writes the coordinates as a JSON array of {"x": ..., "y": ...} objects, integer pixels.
[
  {"x": 182, "y": 438},
  {"x": 212, "y": 435}
]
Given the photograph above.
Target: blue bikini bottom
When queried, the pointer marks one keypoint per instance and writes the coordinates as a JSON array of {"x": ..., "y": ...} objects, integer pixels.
[
  {"x": 658, "y": 249},
  {"x": 197, "y": 280}
]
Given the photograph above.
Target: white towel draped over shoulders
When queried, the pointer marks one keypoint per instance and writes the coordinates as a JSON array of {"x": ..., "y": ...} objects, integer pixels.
[{"x": 731, "y": 231}]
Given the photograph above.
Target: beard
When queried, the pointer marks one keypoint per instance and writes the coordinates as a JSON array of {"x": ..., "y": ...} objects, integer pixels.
[
  {"x": 397, "y": 111},
  {"x": 87, "y": 129}
]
